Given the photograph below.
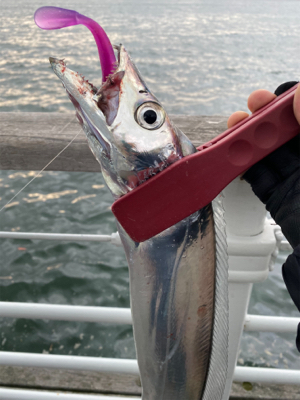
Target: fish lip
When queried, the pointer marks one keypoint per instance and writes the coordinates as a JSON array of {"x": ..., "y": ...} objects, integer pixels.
[
  {"x": 59, "y": 67},
  {"x": 54, "y": 60},
  {"x": 56, "y": 63}
]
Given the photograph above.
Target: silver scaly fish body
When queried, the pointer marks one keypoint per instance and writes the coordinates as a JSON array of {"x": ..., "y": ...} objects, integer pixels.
[{"x": 177, "y": 278}]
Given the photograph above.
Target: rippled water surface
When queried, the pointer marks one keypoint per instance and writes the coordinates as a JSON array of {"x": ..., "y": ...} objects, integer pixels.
[{"x": 198, "y": 57}]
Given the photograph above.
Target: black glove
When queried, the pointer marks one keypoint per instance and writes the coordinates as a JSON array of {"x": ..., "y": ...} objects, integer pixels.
[
  {"x": 291, "y": 276},
  {"x": 276, "y": 182}
]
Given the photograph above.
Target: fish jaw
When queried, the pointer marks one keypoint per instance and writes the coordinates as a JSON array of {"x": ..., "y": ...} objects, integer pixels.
[
  {"x": 128, "y": 149},
  {"x": 81, "y": 93}
]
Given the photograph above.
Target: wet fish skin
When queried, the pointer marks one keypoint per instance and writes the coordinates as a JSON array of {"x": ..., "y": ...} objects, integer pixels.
[
  {"x": 172, "y": 275},
  {"x": 172, "y": 290}
]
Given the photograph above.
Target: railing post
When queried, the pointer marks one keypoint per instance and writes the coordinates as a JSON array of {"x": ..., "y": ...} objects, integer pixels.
[{"x": 251, "y": 242}]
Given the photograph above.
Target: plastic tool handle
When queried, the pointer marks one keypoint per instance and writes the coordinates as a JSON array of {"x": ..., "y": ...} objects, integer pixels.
[{"x": 194, "y": 181}]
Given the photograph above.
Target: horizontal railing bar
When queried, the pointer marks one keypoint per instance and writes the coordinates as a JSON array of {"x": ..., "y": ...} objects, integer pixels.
[
  {"x": 120, "y": 316},
  {"x": 263, "y": 323},
  {"x": 24, "y": 394},
  {"x": 267, "y": 375},
  {"x": 114, "y": 238},
  {"x": 247, "y": 276},
  {"x": 285, "y": 246},
  {"x": 110, "y": 315},
  {"x": 125, "y": 366},
  {"x": 109, "y": 365}
]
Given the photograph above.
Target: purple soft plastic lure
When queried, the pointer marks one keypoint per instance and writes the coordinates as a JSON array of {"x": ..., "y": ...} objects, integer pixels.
[{"x": 57, "y": 18}]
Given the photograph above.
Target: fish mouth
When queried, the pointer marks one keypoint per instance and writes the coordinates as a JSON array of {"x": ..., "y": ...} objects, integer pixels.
[
  {"x": 107, "y": 96},
  {"x": 95, "y": 109},
  {"x": 75, "y": 80},
  {"x": 80, "y": 89},
  {"x": 81, "y": 93}
]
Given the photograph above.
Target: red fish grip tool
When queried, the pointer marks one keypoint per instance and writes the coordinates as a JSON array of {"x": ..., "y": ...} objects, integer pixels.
[{"x": 194, "y": 181}]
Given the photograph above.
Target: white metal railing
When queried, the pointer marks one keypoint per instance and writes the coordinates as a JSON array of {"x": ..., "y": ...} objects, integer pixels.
[
  {"x": 271, "y": 324},
  {"x": 122, "y": 316},
  {"x": 109, "y": 315},
  {"x": 242, "y": 374},
  {"x": 126, "y": 366},
  {"x": 100, "y": 364},
  {"x": 24, "y": 394},
  {"x": 283, "y": 244},
  {"x": 114, "y": 238},
  {"x": 267, "y": 375}
]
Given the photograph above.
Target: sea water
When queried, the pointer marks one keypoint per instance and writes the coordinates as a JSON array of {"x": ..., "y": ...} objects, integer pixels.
[{"x": 199, "y": 58}]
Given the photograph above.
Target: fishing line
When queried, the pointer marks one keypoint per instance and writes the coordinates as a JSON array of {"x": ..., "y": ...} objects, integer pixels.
[{"x": 39, "y": 173}]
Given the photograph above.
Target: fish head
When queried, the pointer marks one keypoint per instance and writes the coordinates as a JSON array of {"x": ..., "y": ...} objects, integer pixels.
[{"x": 127, "y": 128}]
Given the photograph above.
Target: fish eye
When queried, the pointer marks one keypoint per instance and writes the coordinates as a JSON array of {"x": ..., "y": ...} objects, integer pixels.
[{"x": 150, "y": 115}]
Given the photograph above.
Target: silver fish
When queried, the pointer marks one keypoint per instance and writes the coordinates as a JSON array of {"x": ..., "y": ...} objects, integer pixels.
[{"x": 178, "y": 279}]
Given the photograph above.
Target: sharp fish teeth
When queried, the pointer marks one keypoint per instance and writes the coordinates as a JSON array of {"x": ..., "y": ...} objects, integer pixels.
[
  {"x": 54, "y": 60},
  {"x": 116, "y": 47},
  {"x": 97, "y": 97}
]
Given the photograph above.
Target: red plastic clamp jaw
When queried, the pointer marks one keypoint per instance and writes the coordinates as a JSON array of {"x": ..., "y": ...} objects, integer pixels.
[{"x": 193, "y": 182}]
